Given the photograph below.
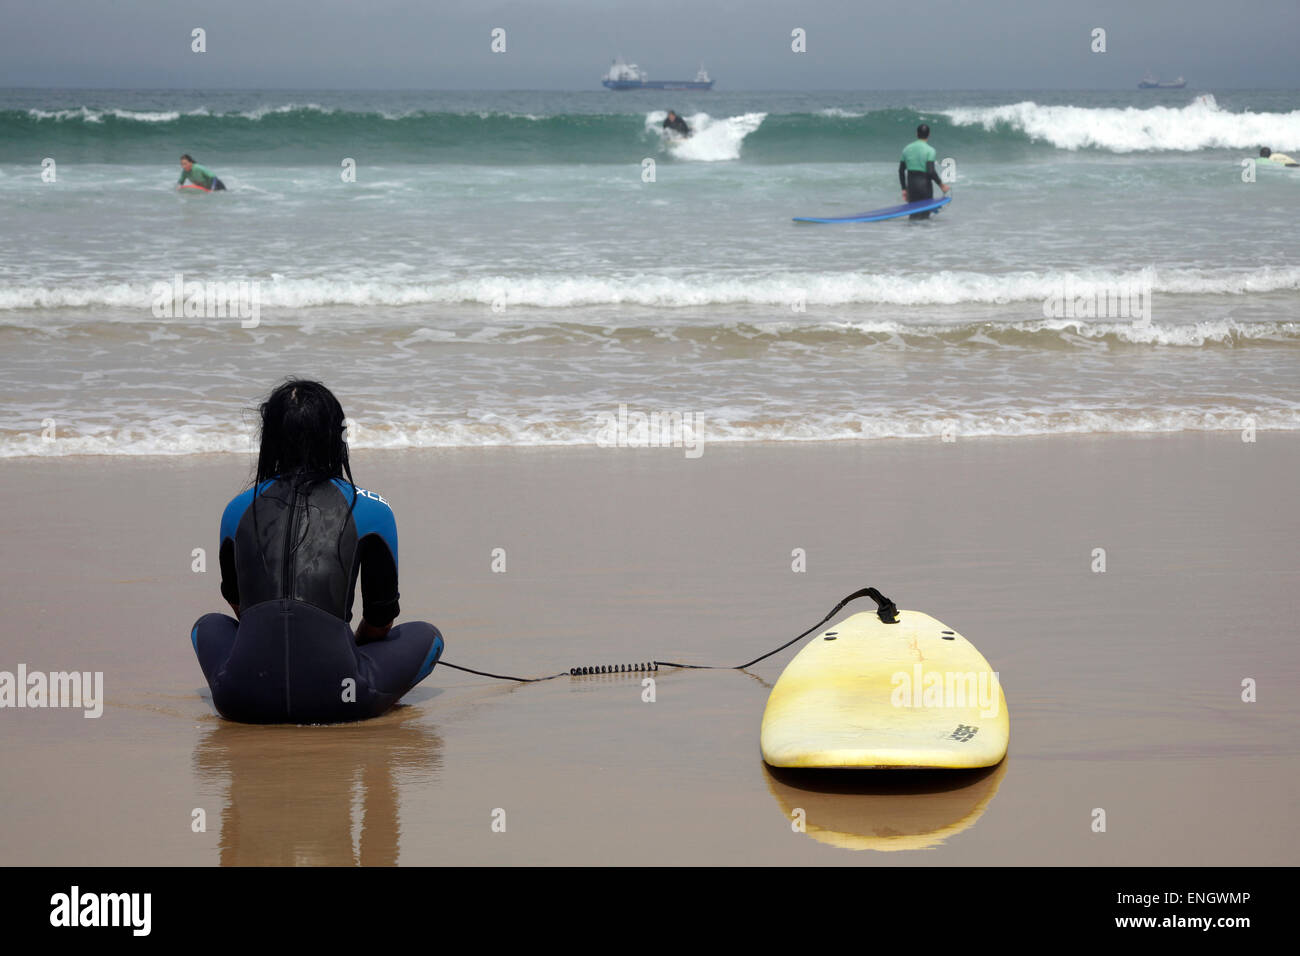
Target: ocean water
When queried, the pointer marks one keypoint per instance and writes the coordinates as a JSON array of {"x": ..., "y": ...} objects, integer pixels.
[{"x": 502, "y": 272}]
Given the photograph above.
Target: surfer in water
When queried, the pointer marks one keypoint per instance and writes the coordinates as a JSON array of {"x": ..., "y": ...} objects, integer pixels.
[
  {"x": 916, "y": 171},
  {"x": 675, "y": 123},
  {"x": 292, "y": 549},
  {"x": 198, "y": 175},
  {"x": 1280, "y": 158}
]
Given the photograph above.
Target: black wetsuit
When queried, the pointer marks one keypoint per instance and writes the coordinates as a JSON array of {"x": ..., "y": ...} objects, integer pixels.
[
  {"x": 677, "y": 124},
  {"x": 290, "y": 558}
]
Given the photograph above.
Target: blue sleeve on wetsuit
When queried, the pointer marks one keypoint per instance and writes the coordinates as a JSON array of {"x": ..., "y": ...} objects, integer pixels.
[
  {"x": 372, "y": 515},
  {"x": 377, "y": 550},
  {"x": 230, "y": 519},
  {"x": 234, "y": 511}
]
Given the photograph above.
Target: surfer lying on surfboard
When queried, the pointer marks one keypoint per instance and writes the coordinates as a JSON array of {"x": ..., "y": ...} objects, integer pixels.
[
  {"x": 916, "y": 171},
  {"x": 1281, "y": 159},
  {"x": 199, "y": 175}
]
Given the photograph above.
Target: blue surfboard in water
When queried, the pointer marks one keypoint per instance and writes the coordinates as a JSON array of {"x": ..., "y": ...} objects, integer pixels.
[{"x": 876, "y": 215}]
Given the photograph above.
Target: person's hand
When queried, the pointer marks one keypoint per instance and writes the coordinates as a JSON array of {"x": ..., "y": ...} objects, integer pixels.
[
  {"x": 367, "y": 632},
  {"x": 904, "y": 195},
  {"x": 946, "y": 187}
]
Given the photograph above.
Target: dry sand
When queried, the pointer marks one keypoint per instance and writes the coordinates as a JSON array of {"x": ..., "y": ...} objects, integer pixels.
[{"x": 1124, "y": 686}]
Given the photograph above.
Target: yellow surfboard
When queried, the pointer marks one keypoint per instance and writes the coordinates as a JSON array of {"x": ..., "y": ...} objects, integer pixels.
[{"x": 865, "y": 694}]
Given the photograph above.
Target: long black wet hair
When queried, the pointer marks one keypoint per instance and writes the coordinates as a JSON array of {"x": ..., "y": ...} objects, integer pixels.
[
  {"x": 302, "y": 441},
  {"x": 302, "y": 435}
]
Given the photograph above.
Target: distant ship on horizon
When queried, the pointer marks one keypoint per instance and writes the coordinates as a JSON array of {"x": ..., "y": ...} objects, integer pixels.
[
  {"x": 629, "y": 76},
  {"x": 1149, "y": 82}
]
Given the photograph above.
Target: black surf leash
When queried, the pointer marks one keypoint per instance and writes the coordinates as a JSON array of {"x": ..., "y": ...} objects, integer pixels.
[
  {"x": 522, "y": 680},
  {"x": 886, "y": 610}
]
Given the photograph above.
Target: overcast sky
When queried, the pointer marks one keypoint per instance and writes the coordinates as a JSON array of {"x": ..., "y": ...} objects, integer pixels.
[{"x": 567, "y": 44}]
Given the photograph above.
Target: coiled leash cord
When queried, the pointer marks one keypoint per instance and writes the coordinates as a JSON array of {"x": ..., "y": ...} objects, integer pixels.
[{"x": 886, "y": 610}]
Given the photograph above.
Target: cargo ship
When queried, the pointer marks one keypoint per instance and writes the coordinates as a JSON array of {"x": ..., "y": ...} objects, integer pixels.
[
  {"x": 629, "y": 76},
  {"x": 1149, "y": 82}
]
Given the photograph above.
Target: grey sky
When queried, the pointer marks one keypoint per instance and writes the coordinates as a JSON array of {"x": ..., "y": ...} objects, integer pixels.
[{"x": 567, "y": 44}]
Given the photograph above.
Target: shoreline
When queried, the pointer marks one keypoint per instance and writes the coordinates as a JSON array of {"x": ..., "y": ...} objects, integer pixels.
[{"x": 213, "y": 456}]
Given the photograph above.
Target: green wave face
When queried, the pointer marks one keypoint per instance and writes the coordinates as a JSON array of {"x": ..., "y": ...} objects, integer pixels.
[{"x": 312, "y": 136}]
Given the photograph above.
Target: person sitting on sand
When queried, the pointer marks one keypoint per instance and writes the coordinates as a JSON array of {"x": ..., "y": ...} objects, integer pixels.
[
  {"x": 916, "y": 171},
  {"x": 675, "y": 123},
  {"x": 199, "y": 175},
  {"x": 1282, "y": 159},
  {"x": 291, "y": 549}
]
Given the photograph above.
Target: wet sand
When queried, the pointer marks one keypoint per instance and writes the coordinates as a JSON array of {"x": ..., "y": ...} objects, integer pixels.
[{"x": 1124, "y": 686}]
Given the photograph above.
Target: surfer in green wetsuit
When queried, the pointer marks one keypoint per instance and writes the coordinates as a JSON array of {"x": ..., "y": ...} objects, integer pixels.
[
  {"x": 198, "y": 175},
  {"x": 916, "y": 171}
]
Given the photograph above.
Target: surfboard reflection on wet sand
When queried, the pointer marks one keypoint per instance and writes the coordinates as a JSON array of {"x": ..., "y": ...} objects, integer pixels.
[{"x": 889, "y": 810}]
